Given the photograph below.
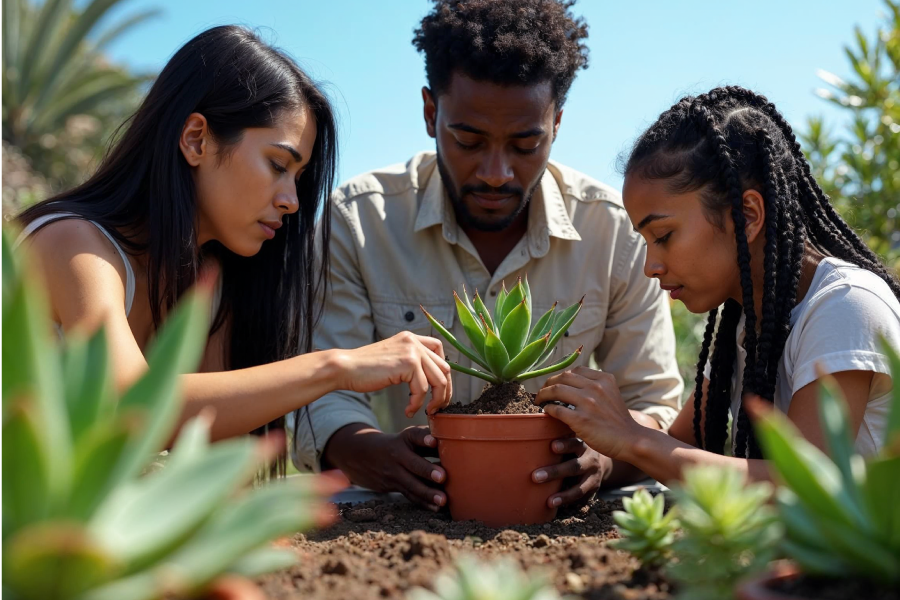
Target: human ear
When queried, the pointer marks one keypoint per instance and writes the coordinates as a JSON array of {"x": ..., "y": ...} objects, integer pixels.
[
  {"x": 556, "y": 121},
  {"x": 194, "y": 139},
  {"x": 754, "y": 209},
  {"x": 430, "y": 112}
]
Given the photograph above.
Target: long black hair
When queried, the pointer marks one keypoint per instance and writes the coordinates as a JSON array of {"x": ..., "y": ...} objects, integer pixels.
[
  {"x": 723, "y": 143},
  {"x": 143, "y": 192}
]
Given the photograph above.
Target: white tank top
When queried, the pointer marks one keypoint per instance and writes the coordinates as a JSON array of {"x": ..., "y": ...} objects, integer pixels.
[{"x": 49, "y": 218}]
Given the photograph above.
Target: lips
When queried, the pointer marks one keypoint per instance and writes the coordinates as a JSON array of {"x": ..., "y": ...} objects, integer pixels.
[
  {"x": 269, "y": 227},
  {"x": 492, "y": 201},
  {"x": 675, "y": 291}
]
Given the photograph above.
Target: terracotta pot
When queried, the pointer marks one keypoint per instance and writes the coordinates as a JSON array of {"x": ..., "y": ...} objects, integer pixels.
[
  {"x": 760, "y": 586},
  {"x": 489, "y": 460}
]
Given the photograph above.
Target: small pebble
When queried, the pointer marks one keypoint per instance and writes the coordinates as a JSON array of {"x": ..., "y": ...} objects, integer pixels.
[{"x": 575, "y": 583}]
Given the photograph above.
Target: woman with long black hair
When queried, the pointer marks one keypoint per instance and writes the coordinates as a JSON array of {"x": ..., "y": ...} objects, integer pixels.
[
  {"x": 737, "y": 227},
  {"x": 228, "y": 161}
]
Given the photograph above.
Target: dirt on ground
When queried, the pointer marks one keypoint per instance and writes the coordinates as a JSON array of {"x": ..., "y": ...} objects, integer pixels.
[
  {"x": 380, "y": 550},
  {"x": 504, "y": 399}
]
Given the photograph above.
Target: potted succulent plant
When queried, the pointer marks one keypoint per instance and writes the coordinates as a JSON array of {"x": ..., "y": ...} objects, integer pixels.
[
  {"x": 489, "y": 458},
  {"x": 841, "y": 514}
]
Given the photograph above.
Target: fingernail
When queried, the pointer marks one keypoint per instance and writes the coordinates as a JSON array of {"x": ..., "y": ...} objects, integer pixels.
[
  {"x": 429, "y": 439},
  {"x": 437, "y": 475},
  {"x": 540, "y": 476},
  {"x": 558, "y": 446},
  {"x": 433, "y": 508},
  {"x": 556, "y": 501},
  {"x": 438, "y": 499}
]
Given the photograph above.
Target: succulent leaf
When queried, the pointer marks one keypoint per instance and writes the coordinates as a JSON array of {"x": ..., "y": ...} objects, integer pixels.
[
  {"x": 452, "y": 339},
  {"x": 482, "y": 311},
  {"x": 561, "y": 323},
  {"x": 547, "y": 370},
  {"x": 515, "y": 297},
  {"x": 474, "y": 329},
  {"x": 498, "y": 304},
  {"x": 527, "y": 290},
  {"x": 474, "y": 372},
  {"x": 543, "y": 325},
  {"x": 514, "y": 330},
  {"x": 525, "y": 359},
  {"x": 495, "y": 354}
]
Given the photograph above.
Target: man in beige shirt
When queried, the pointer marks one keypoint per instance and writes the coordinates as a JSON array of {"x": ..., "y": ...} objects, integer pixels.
[{"x": 488, "y": 207}]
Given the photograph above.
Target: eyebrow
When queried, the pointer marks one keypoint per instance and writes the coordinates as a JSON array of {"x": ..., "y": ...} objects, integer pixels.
[
  {"x": 297, "y": 156},
  {"x": 519, "y": 135},
  {"x": 649, "y": 219}
]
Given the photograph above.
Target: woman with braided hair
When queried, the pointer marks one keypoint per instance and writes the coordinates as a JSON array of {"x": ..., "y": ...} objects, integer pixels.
[{"x": 737, "y": 226}]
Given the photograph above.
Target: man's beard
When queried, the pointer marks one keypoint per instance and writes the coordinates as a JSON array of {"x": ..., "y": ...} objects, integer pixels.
[{"x": 465, "y": 218}]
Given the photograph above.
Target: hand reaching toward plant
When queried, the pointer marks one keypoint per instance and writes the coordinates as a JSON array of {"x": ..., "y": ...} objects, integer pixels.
[
  {"x": 599, "y": 417},
  {"x": 404, "y": 358}
]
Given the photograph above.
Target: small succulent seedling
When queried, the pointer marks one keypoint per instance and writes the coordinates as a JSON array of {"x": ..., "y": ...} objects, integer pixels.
[
  {"x": 646, "y": 532},
  {"x": 505, "y": 344},
  {"x": 729, "y": 531},
  {"x": 841, "y": 513},
  {"x": 474, "y": 580}
]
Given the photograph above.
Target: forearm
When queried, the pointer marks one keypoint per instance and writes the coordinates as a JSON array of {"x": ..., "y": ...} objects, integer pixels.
[
  {"x": 622, "y": 473},
  {"x": 664, "y": 458},
  {"x": 249, "y": 398}
]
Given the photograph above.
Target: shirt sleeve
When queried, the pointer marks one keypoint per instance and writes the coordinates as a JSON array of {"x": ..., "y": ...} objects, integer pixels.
[
  {"x": 638, "y": 344},
  {"x": 346, "y": 323},
  {"x": 841, "y": 331}
]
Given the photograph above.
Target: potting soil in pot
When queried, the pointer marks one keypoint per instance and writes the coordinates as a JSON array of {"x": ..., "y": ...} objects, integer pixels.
[
  {"x": 504, "y": 399},
  {"x": 378, "y": 550}
]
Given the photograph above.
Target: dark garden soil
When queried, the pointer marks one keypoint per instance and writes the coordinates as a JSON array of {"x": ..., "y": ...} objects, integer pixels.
[
  {"x": 504, "y": 399},
  {"x": 824, "y": 588},
  {"x": 380, "y": 550}
]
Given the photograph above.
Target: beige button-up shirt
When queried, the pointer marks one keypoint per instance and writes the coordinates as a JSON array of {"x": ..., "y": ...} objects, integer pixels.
[{"x": 395, "y": 244}]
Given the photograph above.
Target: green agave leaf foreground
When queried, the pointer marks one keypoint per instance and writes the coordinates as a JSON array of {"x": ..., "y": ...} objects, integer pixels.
[
  {"x": 841, "y": 512},
  {"x": 505, "y": 346},
  {"x": 81, "y": 518}
]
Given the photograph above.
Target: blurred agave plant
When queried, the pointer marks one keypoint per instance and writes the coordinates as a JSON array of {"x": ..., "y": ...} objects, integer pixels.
[
  {"x": 473, "y": 580},
  {"x": 79, "y": 519},
  {"x": 841, "y": 513},
  {"x": 505, "y": 344}
]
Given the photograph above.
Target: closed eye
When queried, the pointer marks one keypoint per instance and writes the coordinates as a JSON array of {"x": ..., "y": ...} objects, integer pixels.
[
  {"x": 278, "y": 168},
  {"x": 662, "y": 240},
  {"x": 466, "y": 146}
]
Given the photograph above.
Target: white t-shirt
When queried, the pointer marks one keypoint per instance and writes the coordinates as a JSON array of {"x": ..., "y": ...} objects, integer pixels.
[{"x": 837, "y": 326}]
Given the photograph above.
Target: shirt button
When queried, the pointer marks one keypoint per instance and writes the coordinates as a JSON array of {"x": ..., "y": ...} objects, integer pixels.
[
  {"x": 566, "y": 334},
  {"x": 409, "y": 316},
  {"x": 493, "y": 292}
]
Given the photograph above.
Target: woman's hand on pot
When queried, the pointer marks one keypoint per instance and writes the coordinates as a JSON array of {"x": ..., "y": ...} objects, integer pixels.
[
  {"x": 404, "y": 358},
  {"x": 588, "y": 465},
  {"x": 599, "y": 417}
]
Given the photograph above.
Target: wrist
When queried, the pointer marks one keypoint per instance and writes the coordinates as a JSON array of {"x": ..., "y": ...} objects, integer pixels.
[
  {"x": 638, "y": 447},
  {"x": 342, "y": 442},
  {"x": 334, "y": 368}
]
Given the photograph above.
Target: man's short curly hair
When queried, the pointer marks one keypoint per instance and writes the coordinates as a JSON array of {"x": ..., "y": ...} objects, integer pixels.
[{"x": 508, "y": 42}]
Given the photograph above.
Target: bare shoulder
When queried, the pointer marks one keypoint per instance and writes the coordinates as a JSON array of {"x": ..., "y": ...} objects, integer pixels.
[{"x": 68, "y": 241}]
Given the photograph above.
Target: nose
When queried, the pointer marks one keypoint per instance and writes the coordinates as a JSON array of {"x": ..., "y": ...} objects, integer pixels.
[
  {"x": 653, "y": 266},
  {"x": 286, "y": 201},
  {"x": 495, "y": 170}
]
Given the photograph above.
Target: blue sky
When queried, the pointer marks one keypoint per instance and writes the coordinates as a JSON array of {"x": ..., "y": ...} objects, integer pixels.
[{"x": 644, "y": 56}]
